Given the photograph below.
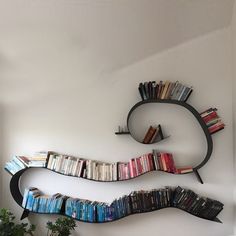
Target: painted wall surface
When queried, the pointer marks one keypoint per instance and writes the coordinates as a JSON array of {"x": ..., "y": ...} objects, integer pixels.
[
  {"x": 65, "y": 102},
  {"x": 233, "y": 25}
]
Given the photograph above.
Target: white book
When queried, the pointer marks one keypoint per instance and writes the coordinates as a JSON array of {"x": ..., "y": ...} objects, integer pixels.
[
  {"x": 73, "y": 162},
  {"x": 49, "y": 166},
  {"x": 94, "y": 164},
  {"x": 58, "y": 162},
  {"x": 182, "y": 92},
  {"x": 88, "y": 169},
  {"x": 67, "y": 165},
  {"x": 81, "y": 167},
  {"x": 75, "y": 167},
  {"x": 53, "y": 163},
  {"x": 111, "y": 172},
  {"x": 63, "y": 164},
  {"x": 114, "y": 176}
]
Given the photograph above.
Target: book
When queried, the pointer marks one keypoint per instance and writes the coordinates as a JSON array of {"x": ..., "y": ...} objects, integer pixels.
[
  {"x": 142, "y": 91},
  {"x": 212, "y": 120},
  {"x": 148, "y": 136},
  {"x": 164, "y": 92}
]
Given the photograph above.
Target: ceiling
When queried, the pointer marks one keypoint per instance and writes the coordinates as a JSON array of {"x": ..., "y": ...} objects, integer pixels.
[{"x": 119, "y": 32}]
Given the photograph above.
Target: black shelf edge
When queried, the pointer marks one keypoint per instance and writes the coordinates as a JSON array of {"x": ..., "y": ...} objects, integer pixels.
[
  {"x": 27, "y": 212},
  {"x": 166, "y": 137},
  {"x": 8, "y": 171},
  {"x": 17, "y": 196},
  {"x": 121, "y": 133},
  {"x": 198, "y": 176},
  {"x": 216, "y": 220},
  {"x": 190, "y": 109},
  {"x": 105, "y": 181}
]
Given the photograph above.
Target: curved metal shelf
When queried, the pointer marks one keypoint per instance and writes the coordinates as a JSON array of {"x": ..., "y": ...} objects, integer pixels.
[
  {"x": 105, "y": 181},
  {"x": 195, "y": 114},
  {"x": 17, "y": 196}
]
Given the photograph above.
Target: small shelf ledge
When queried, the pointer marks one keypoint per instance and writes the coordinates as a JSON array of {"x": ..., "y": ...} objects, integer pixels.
[{"x": 121, "y": 133}]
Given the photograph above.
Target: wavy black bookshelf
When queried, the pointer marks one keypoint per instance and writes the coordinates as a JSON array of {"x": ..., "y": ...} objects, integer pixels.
[
  {"x": 17, "y": 196},
  {"x": 15, "y": 179}
]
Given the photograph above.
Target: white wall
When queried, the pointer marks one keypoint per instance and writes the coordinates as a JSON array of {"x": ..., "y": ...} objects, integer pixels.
[
  {"x": 233, "y": 25},
  {"x": 69, "y": 105}
]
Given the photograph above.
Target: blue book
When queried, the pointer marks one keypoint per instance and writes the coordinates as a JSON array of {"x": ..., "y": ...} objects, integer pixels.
[
  {"x": 18, "y": 162},
  {"x": 99, "y": 212},
  {"x": 25, "y": 197},
  {"x": 36, "y": 204},
  {"x": 49, "y": 204},
  {"x": 73, "y": 208},
  {"x": 54, "y": 202},
  {"x": 86, "y": 210},
  {"x": 41, "y": 204},
  {"x": 59, "y": 204},
  {"x": 30, "y": 199},
  {"x": 68, "y": 207},
  {"x": 78, "y": 206}
]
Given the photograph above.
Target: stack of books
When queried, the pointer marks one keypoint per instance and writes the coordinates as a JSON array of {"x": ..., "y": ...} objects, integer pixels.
[
  {"x": 135, "y": 167},
  {"x": 153, "y": 135},
  {"x": 14, "y": 166},
  {"x": 191, "y": 202},
  {"x": 212, "y": 120},
  {"x": 165, "y": 162},
  {"x": 135, "y": 202},
  {"x": 36, "y": 201},
  {"x": 20, "y": 162},
  {"x": 101, "y": 171},
  {"x": 164, "y": 90},
  {"x": 148, "y": 162},
  {"x": 80, "y": 167}
]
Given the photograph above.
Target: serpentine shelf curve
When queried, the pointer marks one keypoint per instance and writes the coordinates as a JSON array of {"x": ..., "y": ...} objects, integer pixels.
[
  {"x": 194, "y": 171},
  {"x": 190, "y": 109},
  {"x": 17, "y": 196}
]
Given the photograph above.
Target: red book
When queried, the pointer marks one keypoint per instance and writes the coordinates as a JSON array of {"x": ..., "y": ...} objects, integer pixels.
[
  {"x": 160, "y": 162},
  {"x": 210, "y": 117},
  {"x": 172, "y": 164},
  {"x": 140, "y": 168},
  {"x": 184, "y": 170},
  {"x": 168, "y": 162},
  {"x": 134, "y": 169},
  {"x": 150, "y": 159},
  {"x": 218, "y": 126},
  {"x": 163, "y": 161},
  {"x": 207, "y": 112},
  {"x": 146, "y": 162},
  {"x": 149, "y": 135},
  {"x": 131, "y": 169}
]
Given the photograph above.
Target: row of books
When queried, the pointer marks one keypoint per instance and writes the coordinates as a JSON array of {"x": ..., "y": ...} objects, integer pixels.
[
  {"x": 79, "y": 167},
  {"x": 189, "y": 201},
  {"x": 102, "y": 171},
  {"x": 150, "y": 162},
  {"x": 21, "y": 162},
  {"x": 212, "y": 120},
  {"x": 135, "y": 202},
  {"x": 164, "y": 90},
  {"x": 165, "y": 162},
  {"x": 153, "y": 135},
  {"x": 34, "y": 200}
]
